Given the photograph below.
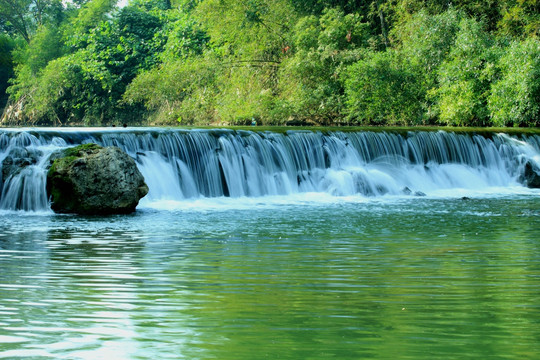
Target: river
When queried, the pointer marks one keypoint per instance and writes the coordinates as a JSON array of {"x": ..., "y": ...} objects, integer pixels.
[{"x": 313, "y": 265}]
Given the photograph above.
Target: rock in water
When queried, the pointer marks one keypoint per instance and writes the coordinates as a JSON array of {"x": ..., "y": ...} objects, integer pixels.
[
  {"x": 531, "y": 175},
  {"x": 90, "y": 179},
  {"x": 16, "y": 161}
]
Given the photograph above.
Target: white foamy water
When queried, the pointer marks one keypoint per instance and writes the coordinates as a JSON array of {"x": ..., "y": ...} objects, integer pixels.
[{"x": 223, "y": 169}]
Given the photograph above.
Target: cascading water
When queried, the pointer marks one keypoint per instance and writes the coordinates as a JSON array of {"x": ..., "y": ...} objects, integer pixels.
[{"x": 181, "y": 164}]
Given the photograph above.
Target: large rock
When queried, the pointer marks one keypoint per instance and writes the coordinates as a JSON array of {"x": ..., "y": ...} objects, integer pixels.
[
  {"x": 90, "y": 179},
  {"x": 531, "y": 175}
]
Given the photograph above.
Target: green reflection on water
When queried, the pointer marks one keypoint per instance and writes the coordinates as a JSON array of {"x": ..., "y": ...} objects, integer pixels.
[{"x": 422, "y": 279}]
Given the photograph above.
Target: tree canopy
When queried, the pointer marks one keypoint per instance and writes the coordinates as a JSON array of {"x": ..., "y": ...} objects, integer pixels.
[{"x": 406, "y": 62}]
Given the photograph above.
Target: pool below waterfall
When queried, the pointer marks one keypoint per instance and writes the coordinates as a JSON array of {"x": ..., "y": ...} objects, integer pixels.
[{"x": 300, "y": 245}]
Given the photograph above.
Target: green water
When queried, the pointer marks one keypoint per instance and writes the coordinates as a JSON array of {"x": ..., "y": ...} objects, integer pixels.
[{"x": 381, "y": 279}]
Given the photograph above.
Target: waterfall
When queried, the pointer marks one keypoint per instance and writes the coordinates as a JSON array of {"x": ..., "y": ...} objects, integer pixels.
[{"x": 190, "y": 164}]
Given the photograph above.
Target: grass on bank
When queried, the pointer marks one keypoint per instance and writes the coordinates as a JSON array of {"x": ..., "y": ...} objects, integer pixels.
[
  {"x": 394, "y": 129},
  {"x": 485, "y": 131}
]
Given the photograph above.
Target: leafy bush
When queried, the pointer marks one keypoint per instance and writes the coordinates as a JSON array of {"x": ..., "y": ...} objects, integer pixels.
[
  {"x": 6, "y": 66},
  {"x": 515, "y": 97},
  {"x": 182, "y": 90},
  {"x": 426, "y": 40},
  {"x": 185, "y": 37},
  {"x": 464, "y": 77},
  {"x": 383, "y": 90},
  {"x": 311, "y": 79},
  {"x": 31, "y": 59}
]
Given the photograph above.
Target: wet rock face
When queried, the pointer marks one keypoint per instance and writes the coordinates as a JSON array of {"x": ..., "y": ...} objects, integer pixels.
[
  {"x": 531, "y": 175},
  {"x": 16, "y": 161},
  {"x": 89, "y": 179}
]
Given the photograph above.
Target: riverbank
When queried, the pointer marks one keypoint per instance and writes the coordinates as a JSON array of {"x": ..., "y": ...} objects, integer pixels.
[
  {"x": 325, "y": 129},
  {"x": 393, "y": 129}
]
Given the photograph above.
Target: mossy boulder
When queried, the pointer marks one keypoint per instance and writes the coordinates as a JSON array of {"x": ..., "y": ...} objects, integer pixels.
[{"x": 90, "y": 179}]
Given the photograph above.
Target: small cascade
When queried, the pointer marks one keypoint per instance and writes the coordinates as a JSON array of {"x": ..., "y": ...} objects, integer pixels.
[{"x": 187, "y": 164}]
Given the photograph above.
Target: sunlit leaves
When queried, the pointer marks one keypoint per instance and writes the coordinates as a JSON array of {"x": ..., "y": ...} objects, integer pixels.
[
  {"x": 323, "y": 46},
  {"x": 461, "y": 95},
  {"x": 381, "y": 89},
  {"x": 254, "y": 29},
  {"x": 515, "y": 98}
]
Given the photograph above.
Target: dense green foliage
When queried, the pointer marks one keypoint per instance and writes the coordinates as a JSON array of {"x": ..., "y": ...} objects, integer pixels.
[
  {"x": 394, "y": 62},
  {"x": 6, "y": 66}
]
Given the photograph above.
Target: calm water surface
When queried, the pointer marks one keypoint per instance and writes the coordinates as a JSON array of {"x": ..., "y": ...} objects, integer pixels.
[{"x": 403, "y": 278}]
